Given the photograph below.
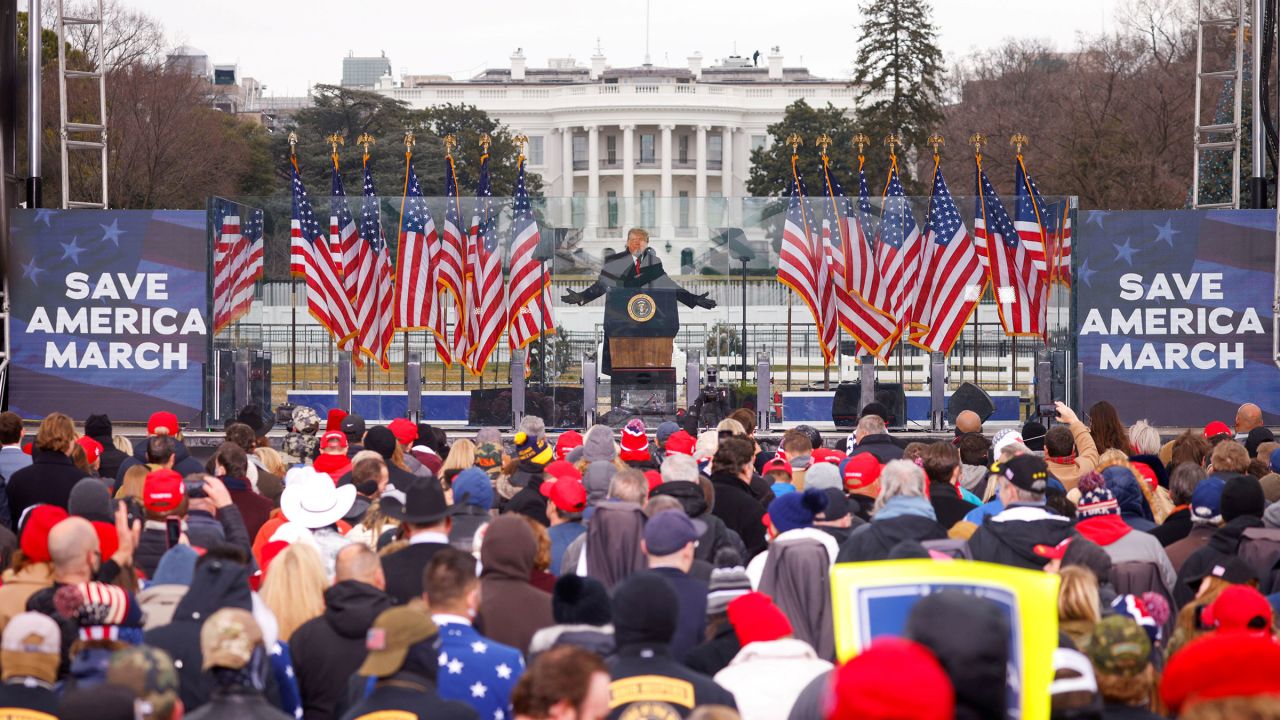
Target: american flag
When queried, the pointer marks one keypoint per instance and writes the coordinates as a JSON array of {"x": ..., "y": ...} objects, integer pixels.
[
  {"x": 953, "y": 280},
  {"x": 310, "y": 258},
  {"x": 1019, "y": 292},
  {"x": 864, "y": 252},
  {"x": 487, "y": 301},
  {"x": 869, "y": 328},
  {"x": 451, "y": 274},
  {"x": 237, "y": 263},
  {"x": 825, "y": 231},
  {"x": 344, "y": 242},
  {"x": 1030, "y": 219},
  {"x": 529, "y": 290},
  {"x": 799, "y": 261},
  {"x": 418, "y": 242},
  {"x": 898, "y": 254},
  {"x": 375, "y": 315},
  {"x": 1060, "y": 269}
]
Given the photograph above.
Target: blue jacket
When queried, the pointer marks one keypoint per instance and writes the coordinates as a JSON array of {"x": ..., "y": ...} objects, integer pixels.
[
  {"x": 476, "y": 670},
  {"x": 561, "y": 535}
]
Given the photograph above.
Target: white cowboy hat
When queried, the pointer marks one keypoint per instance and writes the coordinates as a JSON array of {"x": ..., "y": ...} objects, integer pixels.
[{"x": 313, "y": 502}]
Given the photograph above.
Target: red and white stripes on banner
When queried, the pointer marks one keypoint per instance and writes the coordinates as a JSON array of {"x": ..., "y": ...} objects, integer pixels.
[
  {"x": 488, "y": 318},
  {"x": 310, "y": 258},
  {"x": 375, "y": 314},
  {"x": 798, "y": 263}
]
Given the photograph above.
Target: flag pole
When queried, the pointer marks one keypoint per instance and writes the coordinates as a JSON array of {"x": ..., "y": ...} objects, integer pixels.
[
  {"x": 794, "y": 141},
  {"x": 409, "y": 142},
  {"x": 978, "y": 140},
  {"x": 293, "y": 295}
]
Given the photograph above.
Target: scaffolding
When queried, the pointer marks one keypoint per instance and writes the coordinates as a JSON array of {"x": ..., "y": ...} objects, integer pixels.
[{"x": 75, "y": 135}]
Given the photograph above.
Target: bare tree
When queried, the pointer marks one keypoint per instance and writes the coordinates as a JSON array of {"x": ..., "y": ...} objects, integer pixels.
[{"x": 129, "y": 36}]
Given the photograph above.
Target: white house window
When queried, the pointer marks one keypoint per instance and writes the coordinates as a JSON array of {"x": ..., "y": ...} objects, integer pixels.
[{"x": 535, "y": 150}]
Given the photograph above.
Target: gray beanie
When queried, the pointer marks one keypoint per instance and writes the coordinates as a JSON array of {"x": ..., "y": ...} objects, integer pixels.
[
  {"x": 596, "y": 480},
  {"x": 597, "y": 444},
  {"x": 1271, "y": 518},
  {"x": 91, "y": 500},
  {"x": 823, "y": 476}
]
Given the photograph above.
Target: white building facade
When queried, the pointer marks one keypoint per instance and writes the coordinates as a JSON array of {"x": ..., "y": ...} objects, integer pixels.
[{"x": 664, "y": 148}]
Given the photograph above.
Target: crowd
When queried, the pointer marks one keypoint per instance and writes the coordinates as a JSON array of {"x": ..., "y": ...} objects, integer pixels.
[{"x": 384, "y": 572}]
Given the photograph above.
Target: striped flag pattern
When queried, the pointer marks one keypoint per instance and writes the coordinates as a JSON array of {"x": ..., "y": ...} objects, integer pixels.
[
  {"x": 375, "y": 315},
  {"x": 343, "y": 238},
  {"x": 1018, "y": 290},
  {"x": 529, "y": 287},
  {"x": 237, "y": 264},
  {"x": 953, "y": 280},
  {"x": 898, "y": 252},
  {"x": 450, "y": 271},
  {"x": 311, "y": 259},
  {"x": 798, "y": 264},
  {"x": 414, "y": 292},
  {"x": 1031, "y": 220},
  {"x": 487, "y": 320}
]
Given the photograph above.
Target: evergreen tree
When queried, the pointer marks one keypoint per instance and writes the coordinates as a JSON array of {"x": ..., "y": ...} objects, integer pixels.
[
  {"x": 898, "y": 76},
  {"x": 771, "y": 165}
]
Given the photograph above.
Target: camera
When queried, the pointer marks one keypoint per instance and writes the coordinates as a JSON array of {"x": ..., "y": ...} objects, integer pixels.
[{"x": 1048, "y": 410}]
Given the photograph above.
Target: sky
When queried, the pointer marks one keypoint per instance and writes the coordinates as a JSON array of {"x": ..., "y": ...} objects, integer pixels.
[{"x": 289, "y": 45}]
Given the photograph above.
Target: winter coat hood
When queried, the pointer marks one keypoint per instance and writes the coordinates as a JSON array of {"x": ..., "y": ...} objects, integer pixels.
[
  {"x": 597, "y": 445},
  {"x": 1019, "y": 537},
  {"x": 900, "y": 505},
  {"x": 509, "y": 549},
  {"x": 689, "y": 494},
  {"x": 596, "y": 480},
  {"x": 1121, "y": 482},
  {"x": 352, "y": 606},
  {"x": 215, "y": 585},
  {"x": 1103, "y": 529}
]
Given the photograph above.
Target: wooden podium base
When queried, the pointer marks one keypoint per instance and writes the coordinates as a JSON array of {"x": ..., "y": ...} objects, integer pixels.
[{"x": 641, "y": 352}]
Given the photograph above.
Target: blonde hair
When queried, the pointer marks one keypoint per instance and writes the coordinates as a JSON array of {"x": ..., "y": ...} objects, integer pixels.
[
  {"x": 707, "y": 445},
  {"x": 1112, "y": 458},
  {"x": 462, "y": 455},
  {"x": 271, "y": 459},
  {"x": 56, "y": 434},
  {"x": 365, "y": 455},
  {"x": 134, "y": 478},
  {"x": 1144, "y": 438},
  {"x": 294, "y": 587},
  {"x": 1078, "y": 595},
  {"x": 732, "y": 426},
  {"x": 122, "y": 444}
]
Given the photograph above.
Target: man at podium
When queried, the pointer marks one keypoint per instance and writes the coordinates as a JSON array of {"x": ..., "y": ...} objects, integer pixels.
[{"x": 637, "y": 267}]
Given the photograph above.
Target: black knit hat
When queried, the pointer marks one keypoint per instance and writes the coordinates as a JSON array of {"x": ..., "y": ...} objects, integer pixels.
[
  {"x": 96, "y": 426},
  {"x": 380, "y": 440},
  {"x": 578, "y": 600},
  {"x": 1242, "y": 495},
  {"x": 644, "y": 610},
  {"x": 1256, "y": 437}
]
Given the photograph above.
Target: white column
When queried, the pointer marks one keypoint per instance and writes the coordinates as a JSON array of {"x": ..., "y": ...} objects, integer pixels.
[
  {"x": 566, "y": 183},
  {"x": 665, "y": 220},
  {"x": 593, "y": 179},
  {"x": 726, "y": 173},
  {"x": 628, "y": 198},
  {"x": 700, "y": 183}
]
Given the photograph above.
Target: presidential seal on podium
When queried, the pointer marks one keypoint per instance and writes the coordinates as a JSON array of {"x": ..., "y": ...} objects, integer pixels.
[{"x": 641, "y": 307}]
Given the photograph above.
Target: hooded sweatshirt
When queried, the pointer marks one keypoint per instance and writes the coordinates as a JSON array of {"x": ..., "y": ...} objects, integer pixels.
[
  {"x": 1133, "y": 505},
  {"x": 901, "y": 518},
  {"x": 328, "y": 650},
  {"x": 511, "y": 610},
  {"x": 1123, "y": 544},
  {"x": 1010, "y": 537},
  {"x": 797, "y": 575},
  {"x": 976, "y": 659},
  {"x": 216, "y": 584},
  {"x": 612, "y": 549}
]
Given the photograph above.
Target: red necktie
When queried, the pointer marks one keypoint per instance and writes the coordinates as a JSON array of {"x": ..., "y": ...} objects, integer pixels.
[{"x": 637, "y": 267}]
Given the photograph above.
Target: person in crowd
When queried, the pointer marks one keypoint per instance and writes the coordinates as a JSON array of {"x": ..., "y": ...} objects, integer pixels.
[
  {"x": 768, "y": 673},
  {"x": 30, "y": 649},
  {"x": 333, "y": 459},
  {"x": 861, "y": 477},
  {"x": 51, "y": 474},
  {"x": 1206, "y": 516},
  {"x": 1242, "y": 504},
  {"x": 148, "y": 674},
  {"x": 892, "y": 678},
  {"x": 976, "y": 659},
  {"x": 796, "y": 452},
  {"x": 567, "y": 442},
  {"x": 353, "y": 427},
  {"x": 1228, "y": 459},
  {"x": 941, "y": 463},
  {"x": 731, "y": 472},
  {"x": 380, "y": 440},
  {"x": 645, "y": 611},
  {"x": 406, "y": 433},
  {"x": 31, "y": 569},
  {"x": 1256, "y": 438},
  {"x": 873, "y": 437},
  {"x": 1033, "y": 435},
  {"x": 1106, "y": 429},
  {"x": 312, "y": 502},
  {"x": 1011, "y": 536},
  {"x": 327, "y": 650},
  {"x": 796, "y": 569},
  {"x": 261, "y": 479},
  {"x": 1224, "y": 675},
  {"x": 611, "y": 550},
  {"x": 168, "y": 586},
  {"x": 425, "y": 524},
  {"x": 565, "y": 683},
  {"x": 1099, "y": 520},
  {"x": 212, "y": 516},
  {"x": 1074, "y": 690},
  {"x": 230, "y": 464},
  {"x": 636, "y": 452},
  {"x": 541, "y": 576},
  {"x": 301, "y": 442},
  {"x": 567, "y": 499},
  {"x": 1079, "y": 604},
  {"x": 1182, "y": 486},
  {"x": 161, "y": 424},
  {"x": 233, "y": 657},
  {"x": 583, "y": 614},
  {"x": 968, "y": 422},
  {"x": 472, "y": 499},
  {"x": 294, "y": 588},
  {"x": 476, "y": 670},
  {"x": 1248, "y": 417},
  {"x": 682, "y": 481},
  {"x": 1069, "y": 448},
  {"x": 778, "y": 472},
  {"x": 106, "y": 619},
  {"x": 901, "y": 512},
  {"x": 1120, "y": 651},
  {"x": 163, "y": 496},
  {"x": 87, "y": 455},
  {"x": 836, "y": 519},
  {"x": 462, "y": 455},
  {"x": 721, "y": 641},
  {"x": 533, "y": 454},
  {"x": 669, "y": 538},
  {"x": 269, "y": 459},
  {"x": 12, "y": 457},
  {"x": 975, "y": 451},
  {"x": 511, "y": 609}
]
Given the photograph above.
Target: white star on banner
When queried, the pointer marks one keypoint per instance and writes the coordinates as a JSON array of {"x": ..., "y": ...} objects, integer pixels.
[
  {"x": 478, "y": 690},
  {"x": 504, "y": 671}
]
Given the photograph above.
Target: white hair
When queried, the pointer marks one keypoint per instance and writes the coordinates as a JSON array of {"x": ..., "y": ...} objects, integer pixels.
[
  {"x": 680, "y": 468},
  {"x": 708, "y": 443},
  {"x": 899, "y": 478},
  {"x": 732, "y": 426},
  {"x": 534, "y": 426},
  {"x": 872, "y": 425},
  {"x": 1144, "y": 437}
]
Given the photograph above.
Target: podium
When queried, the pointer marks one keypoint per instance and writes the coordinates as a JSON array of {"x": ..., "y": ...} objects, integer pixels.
[{"x": 641, "y": 324}]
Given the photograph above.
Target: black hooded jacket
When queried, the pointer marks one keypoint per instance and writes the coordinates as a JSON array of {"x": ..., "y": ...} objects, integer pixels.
[
  {"x": 1013, "y": 542},
  {"x": 873, "y": 542},
  {"x": 740, "y": 511},
  {"x": 183, "y": 463},
  {"x": 1224, "y": 545},
  {"x": 111, "y": 459},
  {"x": 718, "y": 535},
  {"x": 530, "y": 501},
  {"x": 976, "y": 659},
  {"x": 216, "y": 584},
  {"x": 328, "y": 650}
]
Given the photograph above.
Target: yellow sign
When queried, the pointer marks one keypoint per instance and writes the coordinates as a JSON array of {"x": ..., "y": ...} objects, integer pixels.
[
  {"x": 651, "y": 689},
  {"x": 873, "y": 599},
  {"x": 641, "y": 307}
]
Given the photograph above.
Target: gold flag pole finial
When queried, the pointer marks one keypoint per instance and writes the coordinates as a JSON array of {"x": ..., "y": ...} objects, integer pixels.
[
  {"x": 794, "y": 140},
  {"x": 334, "y": 141},
  {"x": 449, "y": 142},
  {"x": 521, "y": 141},
  {"x": 978, "y": 141},
  {"x": 892, "y": 141},
  {"x": 365, "y": 140},
  {"x": 293, "y": 144},
  {"x": 861, "y": 141},
  {"x": 409, "y": 140},
  {"x": 936, "y": 142},
  {"x": 485, "y": 142},
  {"x": 823, "y": 141},
  {"x": 1018, "y": 141}
]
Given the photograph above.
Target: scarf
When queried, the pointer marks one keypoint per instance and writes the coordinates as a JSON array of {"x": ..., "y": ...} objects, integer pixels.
[{"x": 1063, "y": 460}]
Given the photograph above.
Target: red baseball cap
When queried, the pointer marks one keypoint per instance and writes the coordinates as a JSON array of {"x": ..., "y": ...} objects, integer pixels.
[
  {"x": 162, "y": 491},
  {"x": 860, "y": 471},
  {"x": 108, "y": 541},
  {"x": 562, "y": 469},
  {"x": 822, "y": 454},
  {"x": 162, "y": 420},
  {"x": 92, "y": 448},
  {"x": 893, "y": 678},
  {"x": 405, "y": 431},
  {"x": 1240, "y": 608},
  {"x": 679, "y": 443},
  {"x": 333, "y": 437},
  {"x": 778, "y": 464},
  {"x": 1216, "y": 428},
  {"x": 334, "y": 420},
  {"x": 567, "y": 441},
  {"x": 568, "y": 494},
  {"x": 654, "y": 477},
  {"x": 1053, "y": 552},
  {"x": 1221, "y": 665}
]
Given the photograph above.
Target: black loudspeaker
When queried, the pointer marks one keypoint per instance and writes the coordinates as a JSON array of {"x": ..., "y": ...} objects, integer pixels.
[
  {"x": 259, "y": 382},
  {"x": 844, "y": 406},
  {"x": 491, "y": 407},
  {"x": 970, "y": 397}
]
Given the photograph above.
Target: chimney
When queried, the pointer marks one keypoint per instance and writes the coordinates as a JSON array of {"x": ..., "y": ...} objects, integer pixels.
[
  {"x": 517, "y": 64},
  {"x": 597, "y": 64},
  {"x": 695, "y": 65},
  {"x": 775, "y": 63}
]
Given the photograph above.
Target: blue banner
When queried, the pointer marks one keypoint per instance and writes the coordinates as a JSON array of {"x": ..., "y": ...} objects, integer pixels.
[
  {"x": 1173, "y": 313},
  {"x": 108, "y": 313}
]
